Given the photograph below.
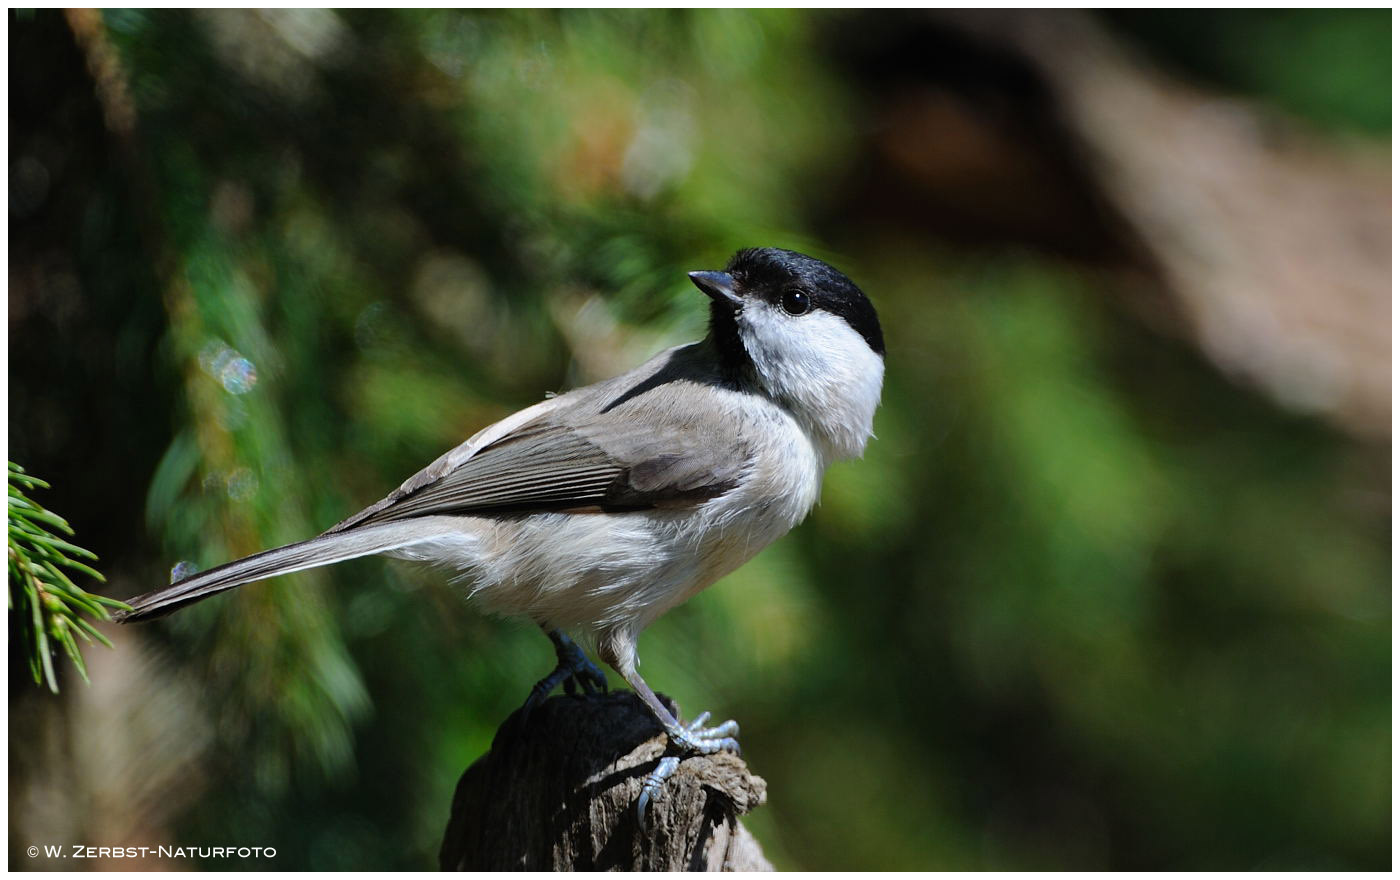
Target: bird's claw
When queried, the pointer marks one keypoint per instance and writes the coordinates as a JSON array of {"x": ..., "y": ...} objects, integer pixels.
[
  {"x": 574, "y": 671},
  {"x": 698, "y": 739},
  {"x": 583, "y": 675},
  {"x": 688, "y": 739},
  {"x": 651, "y": 786}
]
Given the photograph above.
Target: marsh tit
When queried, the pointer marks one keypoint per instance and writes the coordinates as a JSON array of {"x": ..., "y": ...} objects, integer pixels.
[{"x": 596, "y": 511}]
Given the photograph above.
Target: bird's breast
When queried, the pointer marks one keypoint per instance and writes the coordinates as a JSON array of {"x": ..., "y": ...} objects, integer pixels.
[{"x": 604, "y": 570}]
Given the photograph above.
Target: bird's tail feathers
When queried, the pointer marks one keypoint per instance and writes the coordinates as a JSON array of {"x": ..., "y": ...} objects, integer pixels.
[{"x": 322, "y": 550}]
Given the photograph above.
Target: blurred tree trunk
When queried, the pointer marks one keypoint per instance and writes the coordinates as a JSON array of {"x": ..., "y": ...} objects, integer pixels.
[
  {"x": 1264, "y": 242},
  {"x": 559, "y": 793}
]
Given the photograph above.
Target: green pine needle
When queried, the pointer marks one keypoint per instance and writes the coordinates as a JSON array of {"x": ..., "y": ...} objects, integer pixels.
[{"x": 49, "y": 607}]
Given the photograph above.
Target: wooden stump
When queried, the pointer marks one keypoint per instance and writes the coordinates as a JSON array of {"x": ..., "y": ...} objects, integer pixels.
[{"x": 559, "y": 793}]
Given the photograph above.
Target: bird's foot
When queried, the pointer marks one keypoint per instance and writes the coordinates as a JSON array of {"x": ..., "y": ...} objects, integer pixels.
[
  {"x": 697, "y": 739},
  {"x": 583, "y": 675},
  {"x": 687, "y": 740},
  {"x": 574, "y": 671}
]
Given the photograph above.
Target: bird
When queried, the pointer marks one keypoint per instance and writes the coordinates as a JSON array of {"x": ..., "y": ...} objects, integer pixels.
[{"x": 595, "y": 511}]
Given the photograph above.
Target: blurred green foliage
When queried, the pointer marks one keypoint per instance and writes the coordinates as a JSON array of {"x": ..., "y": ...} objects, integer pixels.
[
  {"x": 1328, "y": 65},
  {"x": 1085, "y": 604}
]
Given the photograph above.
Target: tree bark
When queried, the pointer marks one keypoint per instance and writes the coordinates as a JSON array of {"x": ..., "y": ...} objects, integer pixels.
[{"x": 559, "y": 792}]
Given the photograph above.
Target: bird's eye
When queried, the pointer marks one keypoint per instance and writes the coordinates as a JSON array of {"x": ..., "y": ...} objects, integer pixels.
[{"x": 796, "y": 302}]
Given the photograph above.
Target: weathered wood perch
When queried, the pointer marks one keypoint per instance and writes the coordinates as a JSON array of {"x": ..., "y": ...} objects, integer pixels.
[{"x": 560, "y": 791}]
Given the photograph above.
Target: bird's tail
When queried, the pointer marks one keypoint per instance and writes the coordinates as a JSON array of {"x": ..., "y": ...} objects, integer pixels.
[{"x": 322, "y": 550}]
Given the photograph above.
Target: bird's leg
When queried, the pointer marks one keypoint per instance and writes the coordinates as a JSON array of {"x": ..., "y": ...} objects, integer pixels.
[
  {"x": 583, "y": 674},
  {"x": 687, "y": 739},
  {"x": 574, "y": 670}
]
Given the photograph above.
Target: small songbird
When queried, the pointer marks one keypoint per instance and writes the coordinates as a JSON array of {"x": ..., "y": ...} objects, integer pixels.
[{"x": 596, "y": 511}]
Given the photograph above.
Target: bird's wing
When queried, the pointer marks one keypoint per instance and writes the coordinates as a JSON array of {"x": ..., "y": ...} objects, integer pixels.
[{"x": 610, "y": 462}]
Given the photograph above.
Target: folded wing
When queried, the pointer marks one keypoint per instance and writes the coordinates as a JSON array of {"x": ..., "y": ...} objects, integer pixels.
[{"x": 609, "y": 465}]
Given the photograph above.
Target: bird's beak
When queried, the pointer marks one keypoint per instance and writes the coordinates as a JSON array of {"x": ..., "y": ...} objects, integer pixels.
[{"x": 718, "y": 286}]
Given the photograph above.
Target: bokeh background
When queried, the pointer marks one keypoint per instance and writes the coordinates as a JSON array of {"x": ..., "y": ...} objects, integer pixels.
[{"x": 1109, "y": 591}]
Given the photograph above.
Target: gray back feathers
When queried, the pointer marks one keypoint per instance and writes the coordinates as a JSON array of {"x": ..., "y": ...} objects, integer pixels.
[{"x": 663, "y": 435}]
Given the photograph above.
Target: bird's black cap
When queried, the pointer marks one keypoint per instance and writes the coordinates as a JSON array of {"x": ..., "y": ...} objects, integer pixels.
[{"x": 770, "y": 271}]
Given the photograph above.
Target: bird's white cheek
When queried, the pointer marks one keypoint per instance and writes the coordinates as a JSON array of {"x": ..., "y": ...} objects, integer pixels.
[
  {"x": 824, "y": 369},
  {"x": 785, "y": 357}
]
